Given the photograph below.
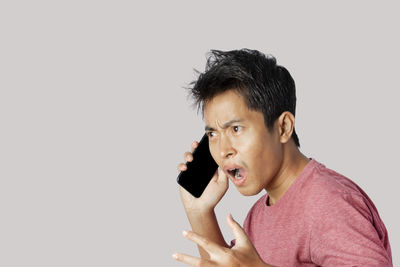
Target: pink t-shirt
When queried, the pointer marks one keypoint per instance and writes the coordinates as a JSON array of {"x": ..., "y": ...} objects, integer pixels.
[{"x": 323, "y": 219}]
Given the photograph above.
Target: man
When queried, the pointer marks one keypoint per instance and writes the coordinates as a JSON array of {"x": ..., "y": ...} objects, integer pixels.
[{"x": 310, "y": 216}]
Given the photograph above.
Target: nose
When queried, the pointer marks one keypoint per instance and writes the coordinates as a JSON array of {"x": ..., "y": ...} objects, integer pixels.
[{"x": 225, "y": 147}]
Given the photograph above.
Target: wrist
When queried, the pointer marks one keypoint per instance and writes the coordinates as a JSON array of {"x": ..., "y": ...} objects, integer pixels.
[
  {"x": 198, "y": 208},
  {"x": 199, "y": 212}
]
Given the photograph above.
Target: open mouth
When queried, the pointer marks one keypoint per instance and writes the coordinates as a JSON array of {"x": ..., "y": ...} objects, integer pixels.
[{"x": 236, "y": 173}]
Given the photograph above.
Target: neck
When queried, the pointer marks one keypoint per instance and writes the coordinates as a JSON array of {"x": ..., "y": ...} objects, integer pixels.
[{"x": 292, "y": 165}]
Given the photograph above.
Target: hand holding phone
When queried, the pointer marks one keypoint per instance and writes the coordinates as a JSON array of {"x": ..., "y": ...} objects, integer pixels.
[
  {"x": 213, "y": 192},
  {"x": 199, "y": 171}
]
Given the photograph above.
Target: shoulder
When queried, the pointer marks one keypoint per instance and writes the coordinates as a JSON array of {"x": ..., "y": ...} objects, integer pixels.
[
  {"x": 325, "y": 192},
  {"x": 326, "y": 179},
  {"x": 325, "y": 186},
  {"x": 344, "y": 220}
]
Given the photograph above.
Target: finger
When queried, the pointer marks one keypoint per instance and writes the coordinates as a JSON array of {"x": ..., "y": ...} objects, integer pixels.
[
  {"x": 215, "y": 176},
  {"x": 188, "y": 157},
  {"x": 237, "y": 230},
  {"x": 222, "y": 177},
  {"x": 182, "y": 167},
  {"x": 194, "y": 261},
  {"x": 200, "y": 240},
  {"x": 194, "y": 145}
]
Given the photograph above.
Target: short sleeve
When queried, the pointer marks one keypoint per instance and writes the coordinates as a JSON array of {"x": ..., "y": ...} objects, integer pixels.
[{"x": 345, "y": 233}]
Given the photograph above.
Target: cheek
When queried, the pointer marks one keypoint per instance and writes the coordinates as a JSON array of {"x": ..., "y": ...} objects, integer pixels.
[
  {"x": 262, "y": 153},
  {"x": 253, "y": 146},
  {"x": 270, "y": 153}
]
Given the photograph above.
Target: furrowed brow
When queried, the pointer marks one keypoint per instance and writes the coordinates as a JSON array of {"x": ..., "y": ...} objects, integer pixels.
[
  {"x": 229, "y": 123},
  {"x": 208, "y": 128},
  {"x": 225, "y": 125}
]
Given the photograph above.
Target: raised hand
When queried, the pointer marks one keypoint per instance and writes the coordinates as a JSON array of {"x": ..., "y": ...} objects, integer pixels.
[{"x": 242, "y": 253}]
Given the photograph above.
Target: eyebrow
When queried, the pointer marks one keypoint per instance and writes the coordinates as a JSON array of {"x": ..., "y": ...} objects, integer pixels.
[{"x": 225, "y": 125}]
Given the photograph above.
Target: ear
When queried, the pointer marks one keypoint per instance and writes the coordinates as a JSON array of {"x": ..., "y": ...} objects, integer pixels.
[{"x": 286, "y": 126}]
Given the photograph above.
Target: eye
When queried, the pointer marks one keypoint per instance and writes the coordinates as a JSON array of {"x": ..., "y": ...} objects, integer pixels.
[
  {"x": 210, "y": 134},
  {"x": 237, "y": 128}
]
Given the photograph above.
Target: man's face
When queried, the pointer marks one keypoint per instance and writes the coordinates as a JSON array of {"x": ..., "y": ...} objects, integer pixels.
[{"x": 241, "y": 144}]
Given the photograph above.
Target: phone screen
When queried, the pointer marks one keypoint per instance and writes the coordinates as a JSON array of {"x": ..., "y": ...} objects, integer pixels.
[{"x": 199, "y": 171}]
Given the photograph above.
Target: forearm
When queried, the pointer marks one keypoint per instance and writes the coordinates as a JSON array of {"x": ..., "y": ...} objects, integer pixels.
[{"x": 205, "y": 223}]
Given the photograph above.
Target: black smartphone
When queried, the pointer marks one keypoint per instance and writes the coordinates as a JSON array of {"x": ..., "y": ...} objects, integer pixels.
[{"x": 199, "y": 171}]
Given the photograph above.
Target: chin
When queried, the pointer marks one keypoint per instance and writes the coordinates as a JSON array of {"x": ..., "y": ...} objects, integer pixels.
[{"x": 248, "y": 191}]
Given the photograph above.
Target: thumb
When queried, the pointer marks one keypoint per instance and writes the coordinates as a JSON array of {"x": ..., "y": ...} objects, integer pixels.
[
  {"x": 222, "y": 177},
  {"x": 238, "y": 232}
]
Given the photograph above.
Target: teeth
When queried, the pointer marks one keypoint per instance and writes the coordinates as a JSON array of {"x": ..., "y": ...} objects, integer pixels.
[{"x": 237, "y": 174}]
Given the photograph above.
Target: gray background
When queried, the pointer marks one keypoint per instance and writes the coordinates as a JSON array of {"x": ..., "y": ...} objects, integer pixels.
[{"x": 94, "y": 117}]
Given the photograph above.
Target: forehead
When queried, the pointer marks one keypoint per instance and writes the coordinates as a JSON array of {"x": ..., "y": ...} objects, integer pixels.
[{"x": 225, "y": 106}]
